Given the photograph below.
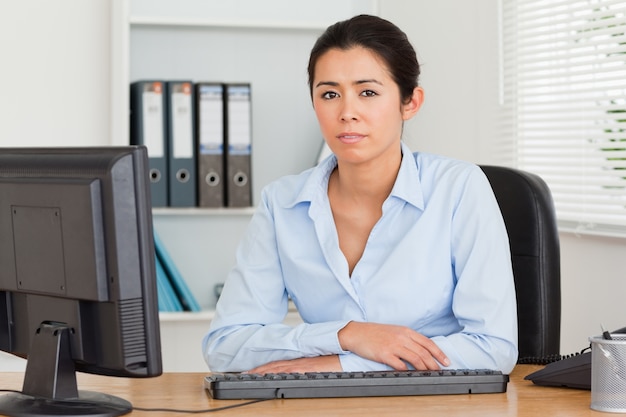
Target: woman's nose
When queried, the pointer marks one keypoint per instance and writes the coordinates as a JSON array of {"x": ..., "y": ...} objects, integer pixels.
[{"x": 349, "y": 111}]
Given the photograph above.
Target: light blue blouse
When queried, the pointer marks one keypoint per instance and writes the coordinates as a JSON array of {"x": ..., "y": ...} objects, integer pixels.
[{"x": 437, "y": 261}]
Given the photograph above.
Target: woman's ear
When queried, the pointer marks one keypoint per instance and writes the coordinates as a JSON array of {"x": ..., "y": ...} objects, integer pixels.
[{"x": 412, "y": 107}]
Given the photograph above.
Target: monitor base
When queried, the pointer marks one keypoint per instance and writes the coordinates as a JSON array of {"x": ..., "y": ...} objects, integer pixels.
[{"x": 88, "y": 403}]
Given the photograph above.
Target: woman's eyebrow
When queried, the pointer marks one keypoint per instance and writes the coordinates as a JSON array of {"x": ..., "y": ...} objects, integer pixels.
[
  {"x": 329, "y": 83},
  {"x": 368, "y": 81},
  {"x": 357, "y": 82}
]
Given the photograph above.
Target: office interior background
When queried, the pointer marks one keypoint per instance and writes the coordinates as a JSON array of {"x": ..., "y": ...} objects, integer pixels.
[{"x": 66, "y": 65}]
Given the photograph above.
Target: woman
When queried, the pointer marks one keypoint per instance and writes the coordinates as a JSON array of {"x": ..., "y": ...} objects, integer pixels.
[{"x": 394, "y": 260}]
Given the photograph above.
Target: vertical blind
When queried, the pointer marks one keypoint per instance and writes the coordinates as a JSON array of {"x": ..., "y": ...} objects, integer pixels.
[{"x": 563, "y": 93}]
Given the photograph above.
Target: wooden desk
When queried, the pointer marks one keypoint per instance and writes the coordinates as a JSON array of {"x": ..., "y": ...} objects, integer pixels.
[{"x": 185, "y": 391}]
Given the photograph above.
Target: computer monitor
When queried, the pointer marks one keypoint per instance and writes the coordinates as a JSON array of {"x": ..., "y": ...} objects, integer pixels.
[{"x": 77, "y": 275}]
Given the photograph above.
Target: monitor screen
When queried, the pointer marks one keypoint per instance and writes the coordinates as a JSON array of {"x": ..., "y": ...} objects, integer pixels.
[{"x": 77, "y": 274}]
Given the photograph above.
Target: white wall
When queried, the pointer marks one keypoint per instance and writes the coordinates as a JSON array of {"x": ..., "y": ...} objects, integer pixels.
[
  {"x": 56, "y": 85},
  {"x": 456, "y": 43},
  {"x": 593, "y": 271}
]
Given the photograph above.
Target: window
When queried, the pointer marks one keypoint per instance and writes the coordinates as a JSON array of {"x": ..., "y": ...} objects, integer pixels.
[{"x": 564, "y": 101}]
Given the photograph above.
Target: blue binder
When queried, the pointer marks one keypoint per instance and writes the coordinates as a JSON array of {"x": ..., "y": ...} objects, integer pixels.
[
  {"x": 148, "y": 127},
  {"x": 186, "y": 298},
  {"x": 166, "y": 296},
  {"x": 181, "y": 144}
]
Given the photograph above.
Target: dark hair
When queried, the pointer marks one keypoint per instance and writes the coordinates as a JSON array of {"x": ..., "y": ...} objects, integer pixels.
[{"x": 379, "y": 36}]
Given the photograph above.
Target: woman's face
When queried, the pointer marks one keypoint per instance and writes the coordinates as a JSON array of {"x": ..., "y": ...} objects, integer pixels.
[{"x": 358, "y": 105}]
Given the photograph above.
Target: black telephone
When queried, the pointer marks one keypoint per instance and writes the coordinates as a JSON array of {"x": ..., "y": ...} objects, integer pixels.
[{"x": 571, "y": 371}]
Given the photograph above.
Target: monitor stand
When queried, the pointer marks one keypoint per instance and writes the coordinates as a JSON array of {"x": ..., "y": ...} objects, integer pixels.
[{"x": 50, "y": 387}]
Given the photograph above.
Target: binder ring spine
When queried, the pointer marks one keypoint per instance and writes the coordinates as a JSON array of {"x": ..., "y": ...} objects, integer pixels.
[
  {"x": 212, "y": 179},
  {"x": 240, "y": 178},
  {"x": 155, "y": 175},
  {"x": 183, "y": 175}
]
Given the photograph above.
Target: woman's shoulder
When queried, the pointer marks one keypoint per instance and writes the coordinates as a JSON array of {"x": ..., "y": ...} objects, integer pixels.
[
  {"x": 431, "y": 164},
  {"x": 453, "y": 177}
]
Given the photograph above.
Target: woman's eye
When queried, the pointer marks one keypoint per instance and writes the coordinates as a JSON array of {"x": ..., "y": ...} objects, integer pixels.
[
  {"x": 329, "y": 95},
  {"x": 368, "y": 93}
]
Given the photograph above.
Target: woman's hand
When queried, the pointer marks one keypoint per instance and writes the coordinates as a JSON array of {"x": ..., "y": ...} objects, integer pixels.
[
  {"x": 329, "y": 363},
  {"x": 392, "y": 345}
]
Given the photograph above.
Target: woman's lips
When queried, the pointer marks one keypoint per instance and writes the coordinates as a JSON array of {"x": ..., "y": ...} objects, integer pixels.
[{"x": 350, "y": 137}]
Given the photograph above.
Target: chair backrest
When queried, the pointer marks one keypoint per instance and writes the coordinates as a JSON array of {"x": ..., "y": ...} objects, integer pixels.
[{"x": 528, "y": 211}]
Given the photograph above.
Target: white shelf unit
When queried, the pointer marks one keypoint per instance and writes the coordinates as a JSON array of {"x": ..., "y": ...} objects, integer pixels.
[
  {"x": 181, "y": 336},
  {"x": 265, "y": 43}
]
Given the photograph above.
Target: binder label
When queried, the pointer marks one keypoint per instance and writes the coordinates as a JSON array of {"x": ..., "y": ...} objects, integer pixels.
[
  {"x": 182, "y": 125},
  {"x": 239, "y": 124},
  {"x": 153, "y": 119},
  {"x": 211, "y": 111}
]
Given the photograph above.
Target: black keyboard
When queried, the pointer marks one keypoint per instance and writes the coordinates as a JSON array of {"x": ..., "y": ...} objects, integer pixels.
[{"x": 230, "y": 386}]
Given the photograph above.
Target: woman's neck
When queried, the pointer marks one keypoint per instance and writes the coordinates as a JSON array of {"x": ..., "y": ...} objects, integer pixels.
[{"x": 370, "y": 181}]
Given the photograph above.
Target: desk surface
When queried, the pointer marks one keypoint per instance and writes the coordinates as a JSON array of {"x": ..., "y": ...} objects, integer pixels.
[{"x": 185, "y": 391}]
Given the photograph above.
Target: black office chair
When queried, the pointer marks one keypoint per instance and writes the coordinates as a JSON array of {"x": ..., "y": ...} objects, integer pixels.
[{"x": 528, "y": 211}]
